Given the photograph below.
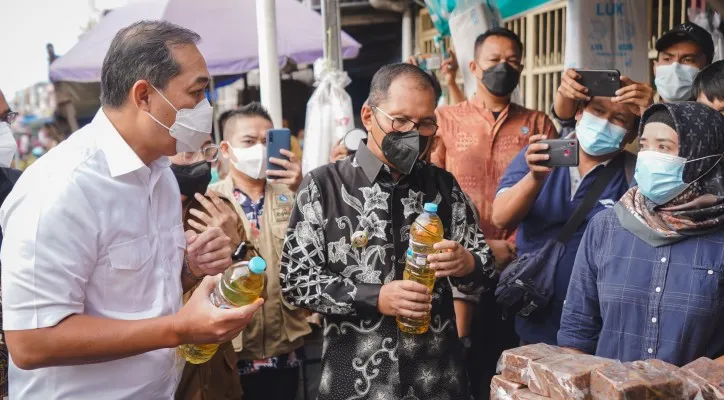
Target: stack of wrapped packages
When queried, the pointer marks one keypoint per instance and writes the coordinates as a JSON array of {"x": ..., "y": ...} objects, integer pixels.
[{"x": 541, "y": 371}]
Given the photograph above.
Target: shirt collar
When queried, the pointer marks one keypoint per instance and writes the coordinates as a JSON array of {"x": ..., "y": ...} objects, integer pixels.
[
  {"x": 120, "y": 156},
  {"x": 370, "y": 164}
]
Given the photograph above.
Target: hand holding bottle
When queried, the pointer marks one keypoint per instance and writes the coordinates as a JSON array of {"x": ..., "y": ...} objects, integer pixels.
[{"x": 201, "y": 322}]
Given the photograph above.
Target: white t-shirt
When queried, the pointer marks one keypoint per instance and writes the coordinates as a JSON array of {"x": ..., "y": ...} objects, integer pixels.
[{"x": 90, "y": 229}]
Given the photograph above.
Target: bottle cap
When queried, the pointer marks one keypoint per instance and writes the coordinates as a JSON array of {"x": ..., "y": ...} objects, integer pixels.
[
  {"x": 257, "y": 265},
  {"x": 430, "y": 207}
]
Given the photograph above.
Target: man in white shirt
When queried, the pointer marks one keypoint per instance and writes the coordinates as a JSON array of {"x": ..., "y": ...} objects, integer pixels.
[{"x": 95, "y": 259}]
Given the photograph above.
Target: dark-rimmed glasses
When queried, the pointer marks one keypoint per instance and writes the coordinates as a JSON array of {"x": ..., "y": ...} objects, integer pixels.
[{"x": 399, "y": 124}]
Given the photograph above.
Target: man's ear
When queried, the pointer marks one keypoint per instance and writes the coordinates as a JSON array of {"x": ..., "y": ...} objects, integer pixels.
[
  {"x": 140, "y": 95},
  {"x": 473, "y": 67},
  {"x": 225, "y": 148},
  {"x": 367, "y": 115}
]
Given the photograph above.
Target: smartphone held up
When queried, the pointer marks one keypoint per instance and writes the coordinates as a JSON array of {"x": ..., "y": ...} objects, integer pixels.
[
  {"x": 561, "y": 152},
  {"x": 276, "y": 141}
]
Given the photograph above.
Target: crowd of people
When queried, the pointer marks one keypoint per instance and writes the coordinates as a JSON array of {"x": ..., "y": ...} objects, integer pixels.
[{"x": 113, "y": 241}]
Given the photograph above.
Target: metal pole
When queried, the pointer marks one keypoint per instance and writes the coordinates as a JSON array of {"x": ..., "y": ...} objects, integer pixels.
[
  {"x": 269, "y": 84},
  {"x": 332, "y": 36},
  {"x": 407, "y": 34}
]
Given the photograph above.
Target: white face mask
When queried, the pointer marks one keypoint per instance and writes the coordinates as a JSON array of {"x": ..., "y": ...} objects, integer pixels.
[
  {"x": 673, "y": 82},
  {"x": 251, "y": 161},
  {"x": 8, "y": 145},
  {"x": 192, "y": 126}
]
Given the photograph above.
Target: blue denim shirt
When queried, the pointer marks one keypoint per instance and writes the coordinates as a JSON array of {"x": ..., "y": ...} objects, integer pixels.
[
  {"x": 630, "y": 301},
  {"x": 552, "y": 209}
]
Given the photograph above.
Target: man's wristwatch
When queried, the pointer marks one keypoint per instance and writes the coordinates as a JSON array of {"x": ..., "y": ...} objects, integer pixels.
[
  {"x": 240, "y": 252},
  {"x": 187, "y": 271},
  {"x": 467, "y": 343}
]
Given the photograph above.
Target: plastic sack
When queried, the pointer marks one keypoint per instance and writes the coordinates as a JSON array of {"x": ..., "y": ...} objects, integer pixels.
[
  {"x": 608, "y": 35},
  {"x": 514, "y": 364},
  {"x": 329, "y": 118},
  {"x": 440, "y": 14},
  {"x": 635, "y": 380},
  {"x": 470, "y": 19},
  {"x": 705, "y": 378},
  {"x": 565, "y": 377},
  {"x": 501, "y": 389},
  {"x": 709, "y": 21}
]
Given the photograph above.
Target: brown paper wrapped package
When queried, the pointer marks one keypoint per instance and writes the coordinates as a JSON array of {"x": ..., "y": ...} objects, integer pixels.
[
  {"x": 514, "y": 363},
  {"x": 525, "y": 394},
  {"x": 501, "y": 389},
  {"x": 636, "y": 380},
  {"x": 707, "y": 376},
  {"x": 567, "y": 376}
]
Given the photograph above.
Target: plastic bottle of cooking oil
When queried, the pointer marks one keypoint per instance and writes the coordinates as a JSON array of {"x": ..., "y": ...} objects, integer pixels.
[
  {"x": 424, "y": 233},
  {"x": 241, "y": 284}
]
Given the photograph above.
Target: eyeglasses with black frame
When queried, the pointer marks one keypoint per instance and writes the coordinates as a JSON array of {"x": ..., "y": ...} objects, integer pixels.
[
  {"x": 404, "y": 125},
  {"x": 208, "y": 153},
  {"x": 8, "y": 116}
]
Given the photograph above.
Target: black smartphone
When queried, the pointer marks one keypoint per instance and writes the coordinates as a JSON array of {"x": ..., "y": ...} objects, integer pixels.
[
  {"x": 600, "y": 82},
  {"x": 276, "y": 140},
  {"x": 563, "y": 152}
]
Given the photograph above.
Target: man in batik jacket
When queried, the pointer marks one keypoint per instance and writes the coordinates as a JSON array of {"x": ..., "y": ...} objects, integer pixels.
[{"x": 345, "y": 253}]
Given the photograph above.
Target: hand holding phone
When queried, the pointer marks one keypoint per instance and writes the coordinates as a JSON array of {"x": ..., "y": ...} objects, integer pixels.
[
  {"x": 544, "y": 154},
  {"x": 429, "y": 62},
  {"x": 282, "y": 165},
  {"x": 600, "y": 82}
]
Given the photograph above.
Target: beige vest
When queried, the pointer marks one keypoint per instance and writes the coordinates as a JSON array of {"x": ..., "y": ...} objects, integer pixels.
[{"x": 277, "y": 328}]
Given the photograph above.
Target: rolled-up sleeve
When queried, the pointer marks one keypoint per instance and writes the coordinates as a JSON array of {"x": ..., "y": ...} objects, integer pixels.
[
  {"x": 581, "y": 320},
  {"x": 48, "y": 253}
]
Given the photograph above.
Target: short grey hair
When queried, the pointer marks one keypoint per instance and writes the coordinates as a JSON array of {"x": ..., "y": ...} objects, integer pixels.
[
  {"x": 141, "y": 51},
  {"x": 382, "y": 80}
]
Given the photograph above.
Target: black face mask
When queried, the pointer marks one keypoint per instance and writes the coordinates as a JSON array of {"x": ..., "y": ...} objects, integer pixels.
[
  {"x": 501, "y": 79},
  {"x": 402, "y": 149},
  {"x": 193, "y": 178}
]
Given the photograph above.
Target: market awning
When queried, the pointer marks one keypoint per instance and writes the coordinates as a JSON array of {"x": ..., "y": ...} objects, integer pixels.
[{"x": 228, "y": 35}]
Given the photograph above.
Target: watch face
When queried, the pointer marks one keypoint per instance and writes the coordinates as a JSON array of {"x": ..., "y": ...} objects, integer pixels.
[
  {"x": 467, "y": 343},
  {"x": 240, "y": 252}
]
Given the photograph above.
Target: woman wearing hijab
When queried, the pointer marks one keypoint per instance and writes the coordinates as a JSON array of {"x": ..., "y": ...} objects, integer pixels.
[{"x": 648, "y": 280}]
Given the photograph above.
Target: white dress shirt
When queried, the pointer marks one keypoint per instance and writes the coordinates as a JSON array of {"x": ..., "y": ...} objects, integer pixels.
[{"x": 90, "y": 229}]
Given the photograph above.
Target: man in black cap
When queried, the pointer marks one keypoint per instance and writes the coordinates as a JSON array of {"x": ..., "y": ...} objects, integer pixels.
[{"x": 683, "y": 52}]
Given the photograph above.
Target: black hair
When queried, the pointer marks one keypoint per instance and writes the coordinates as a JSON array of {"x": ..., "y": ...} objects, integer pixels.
[
  {"x": 251, "y": 110},
  {"x": 381, "y": 82},
  {"x": 436, "y": 86},
  {"x": 141, "y": 51},
  {"x": 710, "y": 82},
  {"x": 502, "y": 32}
]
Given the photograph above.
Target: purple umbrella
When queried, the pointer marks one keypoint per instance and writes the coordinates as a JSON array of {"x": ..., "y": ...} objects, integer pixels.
[{"x": 228, "y": 35}]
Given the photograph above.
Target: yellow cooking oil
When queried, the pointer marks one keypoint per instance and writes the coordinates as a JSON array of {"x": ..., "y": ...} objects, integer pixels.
[
  {"x": 424, "y": 233},
  {"x": 240, "y": 285}
]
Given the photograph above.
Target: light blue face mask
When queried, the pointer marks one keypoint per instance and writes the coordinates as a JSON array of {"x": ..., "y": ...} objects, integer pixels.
[
  {"x": 673, "y": 82},
  {"x": 660, "y": 176},
  {"x": 214, "y": 175},
  {"x": 597, "y": 136}
]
